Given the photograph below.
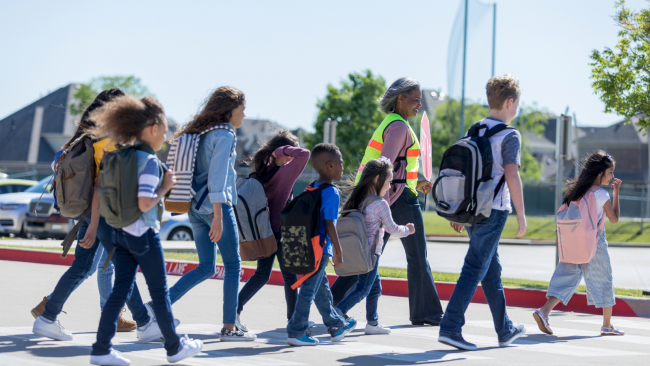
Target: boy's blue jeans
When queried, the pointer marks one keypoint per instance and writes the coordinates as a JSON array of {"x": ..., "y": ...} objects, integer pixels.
[
  {"x": 315, "y": 289},
  {"x": 207, "y": 252},
  {"x": 83, "y": 262},
  {"x": 368, "y": 287},
  {"x": 132, "y": 252},
  {"x": 481, "y": 265}
]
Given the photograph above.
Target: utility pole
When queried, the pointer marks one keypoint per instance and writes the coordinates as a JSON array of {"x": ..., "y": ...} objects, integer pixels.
[
  {"x": 462, "y": 98},
  {"x": 494, "y": 34},
  {"x": 562, "y": 152},
  {"x": 329, "y": 131}
]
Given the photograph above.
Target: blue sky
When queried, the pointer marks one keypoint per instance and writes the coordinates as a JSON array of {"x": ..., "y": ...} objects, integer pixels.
[{"x": 282, "y": 54}]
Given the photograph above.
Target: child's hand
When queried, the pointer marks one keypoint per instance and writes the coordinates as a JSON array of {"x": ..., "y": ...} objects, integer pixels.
[
  {"x": 169, "y": 180},
  {"x": 338, "y": 260},
  {"x": 411, "y": 228},
  {"x": 457, "y": 227},
  {"x": 616, "y": 184},
  {"x": 521, "y": 221}
]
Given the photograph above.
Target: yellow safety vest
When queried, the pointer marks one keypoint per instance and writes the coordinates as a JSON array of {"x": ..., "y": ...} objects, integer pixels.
[{"x": 373, "y": 151}]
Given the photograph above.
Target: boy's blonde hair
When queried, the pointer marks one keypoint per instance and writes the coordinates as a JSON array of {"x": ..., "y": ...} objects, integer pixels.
[{"x": 501, "y": 88}]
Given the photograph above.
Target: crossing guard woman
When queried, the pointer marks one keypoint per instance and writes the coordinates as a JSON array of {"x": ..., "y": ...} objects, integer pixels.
[{"x": 395, "y": 140}]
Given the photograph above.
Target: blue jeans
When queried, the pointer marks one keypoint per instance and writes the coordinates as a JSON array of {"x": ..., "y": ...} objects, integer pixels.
[
  {"x": 481, "y": 265},
  {"x": 424, "y": 302},
  {"x": 78, "y": 272},
  {"x": 315, "y": 289},
  {"x": 147, "y": 253},
  {"x": 207, "y": 251},
  {"x": 104, "y": 278},
  {"x": 368, "y": 287},
  {"x": 262, "y": 276}
]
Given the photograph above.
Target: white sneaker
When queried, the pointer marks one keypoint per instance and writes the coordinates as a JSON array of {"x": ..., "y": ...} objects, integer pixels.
[
  {"x": 54, "y": 330},
  {"x": 376, "y": 329},
  {"x": 189, "y": 347},
  {"x": 150, "y": 332},
  {"x": 149, "y": 306},
  {"x": 114, "y": 358}
]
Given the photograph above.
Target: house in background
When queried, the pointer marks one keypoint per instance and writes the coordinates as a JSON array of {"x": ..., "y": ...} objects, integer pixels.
[{"x": 30, "y": 137}]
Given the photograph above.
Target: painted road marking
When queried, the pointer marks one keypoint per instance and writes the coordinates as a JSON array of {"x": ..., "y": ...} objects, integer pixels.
[{"x": 622, "y": 323}]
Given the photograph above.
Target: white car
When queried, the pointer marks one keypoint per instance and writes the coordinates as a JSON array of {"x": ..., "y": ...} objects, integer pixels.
[
  {"x": 14, "y": 206},
  {"x": 176, "y": 227}
]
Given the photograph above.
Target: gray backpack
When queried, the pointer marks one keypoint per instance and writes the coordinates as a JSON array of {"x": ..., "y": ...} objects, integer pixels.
[
  {"x": 73, "y": 179},
  {"x": 358, "y": 257},
  {"x": 256, "y": 239}
]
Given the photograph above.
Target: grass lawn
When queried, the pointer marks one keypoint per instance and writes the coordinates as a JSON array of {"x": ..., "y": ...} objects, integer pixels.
[
  {"x": 544, "y": 228},
  {"x": 384, "y": 272}
]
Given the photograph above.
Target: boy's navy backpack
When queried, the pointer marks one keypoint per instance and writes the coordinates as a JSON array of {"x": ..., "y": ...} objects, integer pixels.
[
  {"x": 463, "y": 191},
  {"x": 256, "y": 239},
  {"x": 302, "y": 245}
]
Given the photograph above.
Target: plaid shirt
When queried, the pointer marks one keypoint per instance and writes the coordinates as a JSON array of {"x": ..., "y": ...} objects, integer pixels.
[{"x": 378, "y": 213}]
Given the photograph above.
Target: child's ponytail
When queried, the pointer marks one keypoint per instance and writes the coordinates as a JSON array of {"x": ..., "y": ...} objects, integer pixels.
[
  {"x": 124, "y": 118},
  {"x": 592, "y": 167},
  {"x": 367, "y": 186},
  {"x": 264, "y": 155}
]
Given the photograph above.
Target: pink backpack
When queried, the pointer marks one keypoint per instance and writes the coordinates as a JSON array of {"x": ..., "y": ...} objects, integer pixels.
[{"x": 577, "y": 229}]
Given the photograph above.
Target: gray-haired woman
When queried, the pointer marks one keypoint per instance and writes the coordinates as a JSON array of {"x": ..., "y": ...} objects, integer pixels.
[{"x": 395, "y": 140}]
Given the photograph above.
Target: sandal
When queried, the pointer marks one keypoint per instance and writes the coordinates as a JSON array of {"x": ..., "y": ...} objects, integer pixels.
[{"x": 542, "y": 322}]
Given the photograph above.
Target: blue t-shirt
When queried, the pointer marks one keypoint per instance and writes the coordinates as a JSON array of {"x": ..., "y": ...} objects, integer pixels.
[{"x": 329, "y": 210}]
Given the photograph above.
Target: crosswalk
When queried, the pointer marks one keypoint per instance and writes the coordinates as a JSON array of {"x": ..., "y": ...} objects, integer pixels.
[{"x": 405, "y": 345}]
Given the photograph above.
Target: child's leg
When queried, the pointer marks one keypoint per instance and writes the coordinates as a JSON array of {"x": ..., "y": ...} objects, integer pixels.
[
  {"x": 298, "y": 323},
  {"x": 566, "y": 279},
  {"x": 229, "y": 248},
  {"x": 607, "y": 317},
  {"x": 361, "y": 291},
  {"x": 323, "y": 299},
  {"x": 372, "y": 301},
  {"x": 256, "y": 282},
  {"x": 207, "y": 252},
  {"x": 550, "y": 304},
  {"x": 126, "y": 268},
  {"x": 104, "y": 277},
  {"x": 148, "y": 253},
  {"x": 493, "y": 291},
  {"x": 600, "y": 282}
]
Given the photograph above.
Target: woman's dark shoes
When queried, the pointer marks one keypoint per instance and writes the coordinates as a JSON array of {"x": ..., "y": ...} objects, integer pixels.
[{"x": 428, "y": 321}]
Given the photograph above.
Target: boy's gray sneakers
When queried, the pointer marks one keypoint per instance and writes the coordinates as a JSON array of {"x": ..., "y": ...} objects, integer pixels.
[
  {"x": 519, "y": 331},
  {"x": 236, "y": 336},
  {"x": 51, "y": 329},
  {"x": 457, "y": 341}
]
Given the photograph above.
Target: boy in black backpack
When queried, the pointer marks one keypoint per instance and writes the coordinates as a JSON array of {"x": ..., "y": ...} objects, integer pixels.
[
  {"x": 326, "y": 159},
  {"x": 482, "y": 260}
]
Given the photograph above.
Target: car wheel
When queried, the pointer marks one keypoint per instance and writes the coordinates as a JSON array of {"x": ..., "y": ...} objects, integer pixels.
[{"x": 181, "y": 233}]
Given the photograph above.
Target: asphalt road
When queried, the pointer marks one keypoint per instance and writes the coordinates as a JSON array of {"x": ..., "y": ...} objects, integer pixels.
[{"x": 576, "y": 342}]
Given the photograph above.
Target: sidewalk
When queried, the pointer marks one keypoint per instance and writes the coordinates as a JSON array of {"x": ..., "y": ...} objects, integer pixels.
[{"x": 169, "y": 246}]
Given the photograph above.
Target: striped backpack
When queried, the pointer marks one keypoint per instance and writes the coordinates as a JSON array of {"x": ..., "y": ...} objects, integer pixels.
[{"x": 182, "y": 161}]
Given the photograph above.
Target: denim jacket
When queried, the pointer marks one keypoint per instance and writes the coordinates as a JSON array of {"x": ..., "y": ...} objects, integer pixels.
[{"x": 214, "y": 173}]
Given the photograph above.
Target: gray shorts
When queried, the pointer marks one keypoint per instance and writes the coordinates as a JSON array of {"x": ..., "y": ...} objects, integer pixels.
[{"x": 598, "y": 278}]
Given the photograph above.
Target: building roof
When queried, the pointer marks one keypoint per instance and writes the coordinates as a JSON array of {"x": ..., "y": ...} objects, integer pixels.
[{"x": 621, "y": 133}]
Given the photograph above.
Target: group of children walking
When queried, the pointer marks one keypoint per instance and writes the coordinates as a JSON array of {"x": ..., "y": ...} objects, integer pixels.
[{"x": 127, "y": 130}]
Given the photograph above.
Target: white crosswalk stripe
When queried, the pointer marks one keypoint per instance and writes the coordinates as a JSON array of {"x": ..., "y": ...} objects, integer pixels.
[{"x": 618, "y": 322}]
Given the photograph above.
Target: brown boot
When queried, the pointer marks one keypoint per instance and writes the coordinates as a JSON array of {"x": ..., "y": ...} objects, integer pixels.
[
  {"x": 39, "y": 309},
  {"x": 124, "y": 325}
]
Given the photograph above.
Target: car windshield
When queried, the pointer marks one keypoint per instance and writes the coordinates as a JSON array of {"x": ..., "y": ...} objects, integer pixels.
[{"x": 40, "y": 187}]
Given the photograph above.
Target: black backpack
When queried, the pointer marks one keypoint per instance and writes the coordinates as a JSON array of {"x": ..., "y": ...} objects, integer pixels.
[
  {"x": 463, "y": 191},
  {"x": 302, "y": 245}
]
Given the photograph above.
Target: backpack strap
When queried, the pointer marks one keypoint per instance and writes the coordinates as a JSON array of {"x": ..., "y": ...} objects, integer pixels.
[
  {"x": 496, "y": 129},
  {"x": 475, "y": 128},
  {"x": 499, "y": 185}
]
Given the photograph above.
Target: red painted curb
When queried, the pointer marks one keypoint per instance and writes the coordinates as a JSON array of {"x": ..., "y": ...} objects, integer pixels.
[{"x": 525, "y": 298}]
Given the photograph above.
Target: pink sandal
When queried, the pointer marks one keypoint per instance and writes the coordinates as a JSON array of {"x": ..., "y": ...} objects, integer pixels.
[{"x": 542, "y": 322}]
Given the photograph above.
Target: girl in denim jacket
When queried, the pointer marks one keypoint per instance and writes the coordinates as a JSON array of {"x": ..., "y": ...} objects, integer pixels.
[
  {"x": 212, "y": 215},
  {"x": 139, "y": 121}
]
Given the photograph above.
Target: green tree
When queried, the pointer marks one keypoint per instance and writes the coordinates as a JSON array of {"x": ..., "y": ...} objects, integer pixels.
[
  {"x": 445, "y": 130},
  {"x": 621, "y": 77},
  {"x": 88, "y": 91},
  {"x": 354, "y": 106}
]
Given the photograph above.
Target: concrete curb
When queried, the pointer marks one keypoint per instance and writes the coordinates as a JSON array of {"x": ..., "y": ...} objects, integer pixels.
[{"x": 525, "y": 298}]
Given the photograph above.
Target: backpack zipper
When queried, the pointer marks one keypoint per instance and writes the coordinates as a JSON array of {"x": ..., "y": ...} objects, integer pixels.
[
  {"x": 575, "y": 226},
  {"x": 248, "y": 211}
]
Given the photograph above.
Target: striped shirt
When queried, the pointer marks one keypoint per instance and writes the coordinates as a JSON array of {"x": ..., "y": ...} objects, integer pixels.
[
  {"x": 147, "y": 183},
  {"x": 378, "y": 219}
]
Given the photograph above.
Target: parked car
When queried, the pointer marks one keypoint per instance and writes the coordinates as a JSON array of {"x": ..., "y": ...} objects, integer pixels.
[
  {"x": 175, "y": 227},
  {"x": 15, "y": 185},
  {"x": 46, "y": 222},
  {"x": 14, "y": 206}
]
